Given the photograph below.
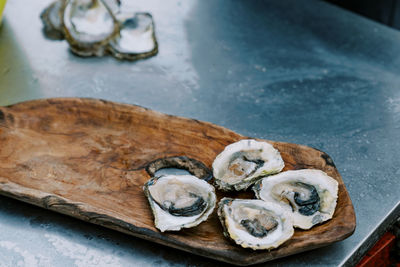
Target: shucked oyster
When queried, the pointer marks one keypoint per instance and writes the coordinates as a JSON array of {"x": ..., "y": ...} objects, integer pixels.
[
  {"x": 310, "y": 195},
  {"x": 88, "y": 26},
  {"x": 242, "y": 163},
  {"x": 255, "y": 224},
  {"x": 179, "y": 201}
]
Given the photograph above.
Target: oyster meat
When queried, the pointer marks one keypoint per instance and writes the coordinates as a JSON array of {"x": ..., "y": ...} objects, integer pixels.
[
  {"x": 310, "y": 195},
  {"x": 242, "y": 163},
  {"x": 255, "y": 224},
  {"x": 179, "y": 201}
]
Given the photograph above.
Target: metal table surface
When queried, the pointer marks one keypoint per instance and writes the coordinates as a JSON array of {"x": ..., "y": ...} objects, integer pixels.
[{"x": 310, "y": 73}]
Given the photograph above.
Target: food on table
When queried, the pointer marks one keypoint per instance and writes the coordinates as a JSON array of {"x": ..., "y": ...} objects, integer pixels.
[
  {"x": 310, "y": 195},
  {"x": 179, "y": 201},
  {"x": 255, "y": 224},
  {"x": 243, "y": 163}
]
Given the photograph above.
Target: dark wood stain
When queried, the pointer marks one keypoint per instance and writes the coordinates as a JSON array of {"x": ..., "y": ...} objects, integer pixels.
[
  {"x": 2, "y": 117},
  {"x": 87, "y": 158},
  {"x": 10, "y": 118},
  {"x": 328, "y": 159}
]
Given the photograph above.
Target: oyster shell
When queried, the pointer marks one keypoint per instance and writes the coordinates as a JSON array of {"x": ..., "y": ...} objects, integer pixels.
[
  {"x": 255, "y": 224},
  {"x": 51, "y": 17},
  {"x": 242, "y": 163},
  {"x": 179, "y": 201},
  {"x": 88, "y": 26},
  {"x": 98, "y": 27},
  {"x": 136, "y": 38},
  {"x": 311, "y": 195}
]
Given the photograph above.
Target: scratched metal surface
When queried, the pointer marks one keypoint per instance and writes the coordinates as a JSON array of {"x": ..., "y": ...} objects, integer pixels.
[{"x": 310, "y": 73}]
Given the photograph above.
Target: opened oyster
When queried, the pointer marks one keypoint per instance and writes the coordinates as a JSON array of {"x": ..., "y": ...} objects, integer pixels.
[
  {"x": 99, "y": 27},
  {"x": 179, "y": 201},
  {"x": 242, "y": 163},
  {"x": 311, "y": 195},
  {"x": 255, "y": 224}
]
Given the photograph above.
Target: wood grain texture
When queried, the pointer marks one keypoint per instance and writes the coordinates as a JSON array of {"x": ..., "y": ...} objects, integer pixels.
[{"x": 89, "y": 158}]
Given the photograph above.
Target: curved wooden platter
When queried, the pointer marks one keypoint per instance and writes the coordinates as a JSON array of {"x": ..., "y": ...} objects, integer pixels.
[{"x": 90, "y": 158}]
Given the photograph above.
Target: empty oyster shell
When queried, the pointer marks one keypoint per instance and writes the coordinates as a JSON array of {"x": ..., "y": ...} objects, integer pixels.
[
  {"x": 179, "y": 201},
  {"x": 242, "y": 163},
  {"x": 310, "y": 195},
  {"x": 95, "y": 27},
  {"x": 51, "y": 17},
  {"x": 136, "y": 38},
  {"x": 255, "y": 224},
  {"x": 88, "y": 26}
]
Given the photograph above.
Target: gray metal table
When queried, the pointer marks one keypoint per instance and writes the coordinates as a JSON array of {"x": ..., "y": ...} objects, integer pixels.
[{"x": 310, "y": 73}]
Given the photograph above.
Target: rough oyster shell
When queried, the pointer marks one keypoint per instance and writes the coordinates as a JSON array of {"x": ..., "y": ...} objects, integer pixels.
[
  {"x": 179, "y": 201},
  {"x": 310, "y": 195},
  {"x": 242, "y": 163},
  {"x": 255, "y": 224}
]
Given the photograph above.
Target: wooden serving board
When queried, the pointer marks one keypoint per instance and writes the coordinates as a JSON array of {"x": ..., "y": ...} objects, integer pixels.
[{"x": 90, "y": 158}]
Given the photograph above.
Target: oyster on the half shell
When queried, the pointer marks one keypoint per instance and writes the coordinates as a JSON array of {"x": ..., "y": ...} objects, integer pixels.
[
  {"x": 179, "y": 201},
  {"x": 255, "y": 224},
  {"x": 310, "y": 195},
  {"x": 243, "y": 163}
]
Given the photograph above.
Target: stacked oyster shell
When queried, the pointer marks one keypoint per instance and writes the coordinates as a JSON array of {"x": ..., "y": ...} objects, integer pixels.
[
  {"x": 98, "y": 27},
  {"x": 285, "y": 200}
]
